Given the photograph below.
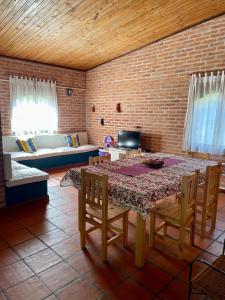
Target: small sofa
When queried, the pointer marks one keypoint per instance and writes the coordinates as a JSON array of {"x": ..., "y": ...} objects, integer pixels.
[
  {"x": 52, "y": 152},
  {"x": 23, "y": 183}
]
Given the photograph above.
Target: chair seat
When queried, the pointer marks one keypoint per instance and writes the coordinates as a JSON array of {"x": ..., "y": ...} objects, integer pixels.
[
  {"x": 171, "y": 211},
  {"x": 211, "y": 282},
  {"x": 113, "y": 212}
]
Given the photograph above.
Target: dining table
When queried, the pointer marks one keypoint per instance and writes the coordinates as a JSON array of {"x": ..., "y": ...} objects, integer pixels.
[{"x": 135, "y": 185}]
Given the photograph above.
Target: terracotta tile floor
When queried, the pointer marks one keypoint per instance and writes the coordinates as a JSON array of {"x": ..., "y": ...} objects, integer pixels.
[{"x": 40, "y": 256}]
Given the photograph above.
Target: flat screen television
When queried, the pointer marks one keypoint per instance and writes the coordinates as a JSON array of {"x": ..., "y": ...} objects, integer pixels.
[{"x": 129, "y": 139}]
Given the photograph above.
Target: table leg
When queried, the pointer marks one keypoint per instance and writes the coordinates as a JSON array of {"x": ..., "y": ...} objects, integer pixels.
[
  {"x": 140, "y": 241},
  {"x": 79, "y": 209}
]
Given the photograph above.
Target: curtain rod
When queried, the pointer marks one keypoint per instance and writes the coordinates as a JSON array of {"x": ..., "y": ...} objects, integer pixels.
[
  {"x": 207, "y": 72},
  {"x": 58, "y": 86}
]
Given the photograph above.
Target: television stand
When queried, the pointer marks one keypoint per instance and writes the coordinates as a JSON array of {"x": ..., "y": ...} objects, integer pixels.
[
  {"x": 123, "y": 148},
  {"x": 114, "y": 152}
]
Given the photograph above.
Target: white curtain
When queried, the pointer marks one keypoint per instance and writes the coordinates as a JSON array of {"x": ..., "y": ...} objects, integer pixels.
[
  {"x": 34, "y": 106},
  {"x": 204, "y": 129}
]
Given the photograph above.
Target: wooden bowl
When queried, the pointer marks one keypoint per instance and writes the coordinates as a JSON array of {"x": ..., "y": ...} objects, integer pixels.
[{"x": 154, "y": 163}]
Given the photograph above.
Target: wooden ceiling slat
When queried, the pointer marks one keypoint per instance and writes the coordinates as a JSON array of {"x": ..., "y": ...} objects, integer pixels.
[
  {"x": 29, "y": 18},
  {"x": 7, "y": 7},
  {"x": 75, "y": 20},
  {"x": 85, "y": 33},
  {"x": 120, "y": 17},
  {"x": 16, "y": 33},
  {"x": 41, "y": 42},
  {"x": 43, "y": 34},
  {"x": 16, "y": 13}
]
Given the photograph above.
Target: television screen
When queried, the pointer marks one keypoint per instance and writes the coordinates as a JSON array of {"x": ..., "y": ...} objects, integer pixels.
[{"x": 129, "y": 139}]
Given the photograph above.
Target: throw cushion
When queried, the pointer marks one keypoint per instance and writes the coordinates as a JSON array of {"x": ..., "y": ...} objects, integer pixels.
[
  {"x": 32, "y": 144},
  {"x": 72, "y": 141},
  {"x": 23, "y": 146}
]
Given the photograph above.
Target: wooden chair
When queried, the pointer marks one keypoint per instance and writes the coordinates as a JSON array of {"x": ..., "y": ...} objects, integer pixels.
[
  {"x": 207, "y": 196},
  {"x": 199, "y": 155},
  {"x": 180, "y": 215},
  {"x": 95, "y": 210},
  {"x": 96, "y": 160},
  {"x": 211, "y": 281},
  {"x": 129, "y": 154}
]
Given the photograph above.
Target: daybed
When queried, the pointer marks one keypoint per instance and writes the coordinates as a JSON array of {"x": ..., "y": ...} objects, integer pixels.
[
  {"x": 23, "y": 183},
  {"x": 53, "y": 151}
]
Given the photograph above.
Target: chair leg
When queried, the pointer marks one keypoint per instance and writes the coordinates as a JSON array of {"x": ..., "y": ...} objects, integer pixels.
[
  {"x": 203, "y": 225},
  {"x": 83, "y": 233},
  {"x": 152, "y": 230},
  {"x": 181, "y": 241},
  {"x": 192, "y": 233},
  {"x": 125, "y": 229},
  {"x": 104, "y": 243},
  {"x": 81, "y": 222},
  {"x": 213, "y": 219},
  {"x": 189, "y": 290}
]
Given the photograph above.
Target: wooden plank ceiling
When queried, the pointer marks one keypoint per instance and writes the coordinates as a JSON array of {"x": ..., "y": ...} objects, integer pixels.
[{"x": 82, "y": 34}]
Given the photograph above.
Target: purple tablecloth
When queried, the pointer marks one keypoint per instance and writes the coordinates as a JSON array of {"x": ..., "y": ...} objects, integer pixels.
[{"x": 141, "y": 169}]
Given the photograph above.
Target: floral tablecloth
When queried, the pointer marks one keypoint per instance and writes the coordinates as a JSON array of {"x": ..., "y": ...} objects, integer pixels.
[{"x": 139, "y": 193}]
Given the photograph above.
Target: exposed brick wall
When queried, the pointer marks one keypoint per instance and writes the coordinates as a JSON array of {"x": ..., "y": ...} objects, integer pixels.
[
  {"x": 152, "y": 86},
  {"x": 2, "y": 189},
  {"x": 71, "y": 109}
]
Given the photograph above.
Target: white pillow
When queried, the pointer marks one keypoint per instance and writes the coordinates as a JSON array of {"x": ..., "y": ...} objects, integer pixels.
[
  {"x": 50, "y": 141},
  {"x": 9, "y": 144},
  {"x": 83, "y": 138}
]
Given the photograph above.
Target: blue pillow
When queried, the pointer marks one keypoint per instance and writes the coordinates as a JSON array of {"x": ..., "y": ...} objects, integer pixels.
[
  {"x": 23, "y": 145},
  {"x": 72, "y": 140},
  {"x": 32, "y": 144}
]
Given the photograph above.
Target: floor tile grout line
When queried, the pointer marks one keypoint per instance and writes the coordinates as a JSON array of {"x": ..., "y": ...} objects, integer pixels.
[
  {"x": 23, "y": 260},
  {"x": 37, "y": 274},
  {"x": 3, "y": 292},
  {"x": 129, "y": 276},
  {"x": 176, "y": 277},
  {"x": 18, "y": 283},
  {"x": 34, "y": 235},
  {"x": 49, "y": 296},
  {"x": 65, "y": 260},
  {"x": 80, "y": 278},
  {"x": 202, "y": 251}
]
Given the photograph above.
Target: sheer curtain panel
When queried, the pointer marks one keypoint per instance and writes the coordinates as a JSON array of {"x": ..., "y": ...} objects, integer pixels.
[
  {"x": 34, "y": 106},
  {"x": 204, "y": 129}
]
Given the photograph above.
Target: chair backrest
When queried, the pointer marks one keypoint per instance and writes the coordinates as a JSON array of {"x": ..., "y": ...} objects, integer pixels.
[
  {"x": 189, "y": 187},
  {"x": 129, "y": 154},
  {"x": 94, "y": 191},
  {"x": 96, "y": 160},
  {"x": 199, "y": 155},
  {"x": 212, "y": 183}
]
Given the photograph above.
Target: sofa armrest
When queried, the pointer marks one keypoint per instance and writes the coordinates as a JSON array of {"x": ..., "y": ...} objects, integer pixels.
[{"x": 7, "y": 163}]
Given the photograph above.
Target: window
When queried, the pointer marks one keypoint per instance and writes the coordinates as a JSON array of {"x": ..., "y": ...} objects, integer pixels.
[
  {"x": 33, "y": 105},
  {"x": 205, "y": 119}
]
